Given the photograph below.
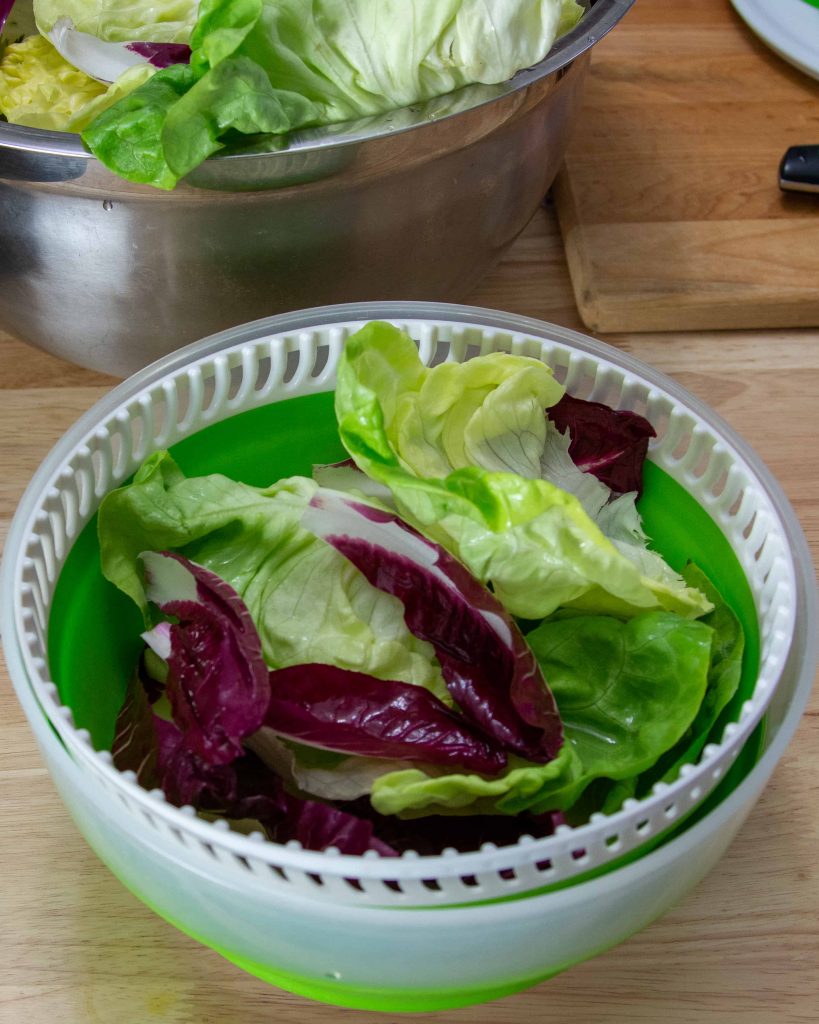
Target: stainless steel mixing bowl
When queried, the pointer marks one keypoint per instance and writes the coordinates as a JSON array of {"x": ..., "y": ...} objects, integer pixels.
[{"x": 418, "y": 203}]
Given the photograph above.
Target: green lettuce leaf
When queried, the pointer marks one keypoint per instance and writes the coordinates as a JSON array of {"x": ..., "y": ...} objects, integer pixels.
[
  {"x": 308, "y": 602},
  {"x": 416, "y": 792},
  {"x": 533, "y": 541},
  {"x": 724, "y": 674},
  {"x": 354, "y": 58},
  {"x": 557, "y": 467},
  {"x": 485, "y": 412},
  {"x": 626, "y": 691},
  {"x": 295, "y": 63},
  {"x": 127, "y": 133}
]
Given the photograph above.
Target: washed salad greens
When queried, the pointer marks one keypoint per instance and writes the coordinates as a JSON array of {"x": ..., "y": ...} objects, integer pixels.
[
  {"x": 458, "y": 635},
  {"x": 157, "y": 88}
]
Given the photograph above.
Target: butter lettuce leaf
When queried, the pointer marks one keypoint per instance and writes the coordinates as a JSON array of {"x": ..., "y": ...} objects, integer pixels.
[
  {"x": 530, "y": 539},
  {"x": 416, "y": 792},
  {"x": 724, "y": 674},
  {"x": 485, "y": 412},
  {"x": 627, "y": 691}
]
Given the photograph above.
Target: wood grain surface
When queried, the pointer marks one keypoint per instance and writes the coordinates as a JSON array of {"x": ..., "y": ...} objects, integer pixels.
[
  {"x": 743, "y": 948},
  {"x": 669, "y": 202}
]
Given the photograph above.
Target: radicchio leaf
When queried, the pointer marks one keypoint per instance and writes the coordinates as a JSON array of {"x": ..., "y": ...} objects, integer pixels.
[
  {"x": 135, "y": 744},
  {"x": 217, "y": 678},
  {"x": 354, "y": 713},
  {"x": 185, "y": 778},
  {"x": 5, "y": 11},
  {"x": 611, "y": 444},
  {"x": 161, "y": 55},
  {"x": 487, "y": 665},
  {"x": 106, "y": 60},
  {"x": 245, "y": 789},
  {"x": 316, "y": 826}
]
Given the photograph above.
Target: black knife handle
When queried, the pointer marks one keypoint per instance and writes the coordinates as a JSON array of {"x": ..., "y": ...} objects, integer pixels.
[{"x": 799, "y": 170}]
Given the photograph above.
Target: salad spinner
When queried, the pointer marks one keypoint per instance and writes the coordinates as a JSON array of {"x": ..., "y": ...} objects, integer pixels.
[{"x": 414, "y": 932}]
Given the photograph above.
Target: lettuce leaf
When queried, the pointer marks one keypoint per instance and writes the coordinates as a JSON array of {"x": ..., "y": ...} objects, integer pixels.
[
  {"x": 724, "y": 674},
  {"x": 627, "y": 691},
  {"x": 272, "y": 66},
  {"x": 251, "y": 537},
  {"x": 414, "y": 792},
  {"x": 39, "y": 89},
  {"x": 486, "y": 412},
  {"x": 530, "y": 539}
]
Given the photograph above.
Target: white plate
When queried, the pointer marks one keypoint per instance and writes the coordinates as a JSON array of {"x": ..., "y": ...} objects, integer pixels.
[{"x": 789, "y": 27}]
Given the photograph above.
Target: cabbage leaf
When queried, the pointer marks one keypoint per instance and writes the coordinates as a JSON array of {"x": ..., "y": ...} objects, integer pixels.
[
  {"x": 40, "y": 89},
  {"x": 120, "y": 21}
]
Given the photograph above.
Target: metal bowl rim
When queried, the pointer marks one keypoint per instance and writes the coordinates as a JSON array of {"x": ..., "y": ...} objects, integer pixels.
[{"x": 600, "y": 18}]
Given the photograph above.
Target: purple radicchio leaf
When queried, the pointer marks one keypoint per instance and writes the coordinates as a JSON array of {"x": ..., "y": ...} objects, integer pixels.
[
  {"x": 106, "y": 60},
  {"x": 217, "y": 684},
  {"x": 135, "y": 746},
  {"x": 161, "y": 55},
  {"x": 155, "y": 749},
  {"x": 5, "y": 11},
  {"x": 355, "y": 713},
  {"x": 248, "y": 789},
  {"x": 486, "y": 664},
  {"x": 318, "y": 825},
  {"x": 185, "y": 778},
  {"x": 611, "y": 444},
  {"x": 245, "y": 789}
]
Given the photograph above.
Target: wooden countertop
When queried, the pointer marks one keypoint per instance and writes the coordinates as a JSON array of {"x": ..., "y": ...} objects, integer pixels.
[{"x": 743, "y": 947}]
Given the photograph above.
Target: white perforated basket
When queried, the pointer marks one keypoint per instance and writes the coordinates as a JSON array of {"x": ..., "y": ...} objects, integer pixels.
[{"x": 294, "y": 355}]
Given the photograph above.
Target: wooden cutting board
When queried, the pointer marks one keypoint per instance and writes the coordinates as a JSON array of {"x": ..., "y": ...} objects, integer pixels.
[{"x": 668, "y": 202}]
